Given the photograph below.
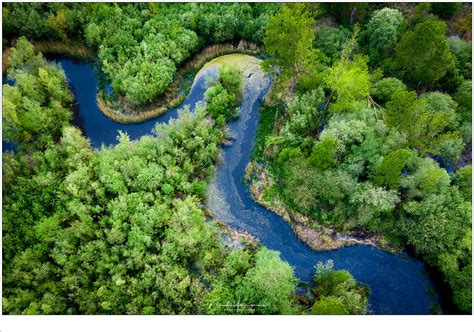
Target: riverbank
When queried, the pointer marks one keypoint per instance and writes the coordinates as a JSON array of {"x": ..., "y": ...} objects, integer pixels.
[
  {"x": 310, "y": 232},
  {"x": 123, "y": 112},
  {"x": 73, "y": 48}
]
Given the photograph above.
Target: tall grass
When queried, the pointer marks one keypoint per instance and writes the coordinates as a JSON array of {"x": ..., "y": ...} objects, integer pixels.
[{"x": 74, "y": 49}]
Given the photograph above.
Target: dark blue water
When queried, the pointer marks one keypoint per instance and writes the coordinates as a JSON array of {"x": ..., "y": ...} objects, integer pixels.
[
  {"x": 397, "y": 282},
  {"x": 97, "y": 127}
]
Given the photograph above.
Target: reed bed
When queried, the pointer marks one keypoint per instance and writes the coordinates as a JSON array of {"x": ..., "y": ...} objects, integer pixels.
[
  {"x": 122, "y": 111},
  {"x": 71, "y": 48}
]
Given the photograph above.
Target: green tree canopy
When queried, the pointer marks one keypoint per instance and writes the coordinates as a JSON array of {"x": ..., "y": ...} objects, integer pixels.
[
  {"x": 383, "y": 30},
  {"x": 422, "y": 56},
  {"x": 289, "y": 36}
]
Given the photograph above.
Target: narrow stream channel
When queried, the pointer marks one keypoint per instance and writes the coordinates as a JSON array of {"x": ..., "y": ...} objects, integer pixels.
[{"x": 398, "y": 283}]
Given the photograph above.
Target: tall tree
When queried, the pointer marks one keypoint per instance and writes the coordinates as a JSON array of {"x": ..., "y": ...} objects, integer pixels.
[
  {"x": 383, "y": 30},
  {"x": 289, "y": 36},
  {"x": 422, "y": 57}
]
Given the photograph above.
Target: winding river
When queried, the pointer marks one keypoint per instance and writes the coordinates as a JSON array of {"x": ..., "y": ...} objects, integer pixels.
[{"x": 398, "y": 283}]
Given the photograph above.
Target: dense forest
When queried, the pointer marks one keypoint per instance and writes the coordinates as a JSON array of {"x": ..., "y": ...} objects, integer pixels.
[
  {"x": 371, "y": 130},
  {"x": 367, "y": 129}
]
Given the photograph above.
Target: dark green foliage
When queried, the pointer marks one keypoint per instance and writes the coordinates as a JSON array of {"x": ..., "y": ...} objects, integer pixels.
[
  {"x": 423, "y": 57},
  {"x": 44, "y": 20},
  {"x": 389, "y": 171},
  {"x": 347, "y": 13},
  {"x": 219, "y": 22},
  {"x": 323, "y": 155},
  {"x": 445, "y": 10},
  {"x": 265, "y": 129},
  {"x": 386, "y": 88},
  {"x": 331, "y": 41}
]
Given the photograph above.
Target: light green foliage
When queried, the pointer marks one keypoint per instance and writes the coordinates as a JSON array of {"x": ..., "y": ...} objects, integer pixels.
[
  {"x": 350, "y": 82},
  {"x": 304, "y": 116},
  {"x": 462, "y": 51},
  {"x": 221, "y": 103},
  {"x": 270, "y": 284},
  {"x": 441, "y": 103},
  {"x": 121, "y": 229},
  {"x": 36, "y": 107},
  {"x": 384, "y": 89},
  {"x": 383, "y": 29},
  {"x": 427, "y": 179},
  {"x": 329, "y": 305},
  {"x": 249, "y": 284},
  {"x": 337, "y": 292},
  {"x": 231, "y": 80},
  {"x": 223, "y": 96},
  {"x": 288, "y": 40},
  {"x": 422, "y": 56},
  {"x": 139, "y": 53},
  {"x": 372, "y": 205}
]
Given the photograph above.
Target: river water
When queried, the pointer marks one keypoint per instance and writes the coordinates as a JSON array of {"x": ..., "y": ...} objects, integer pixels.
[{"x": 398, "y": 283}]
